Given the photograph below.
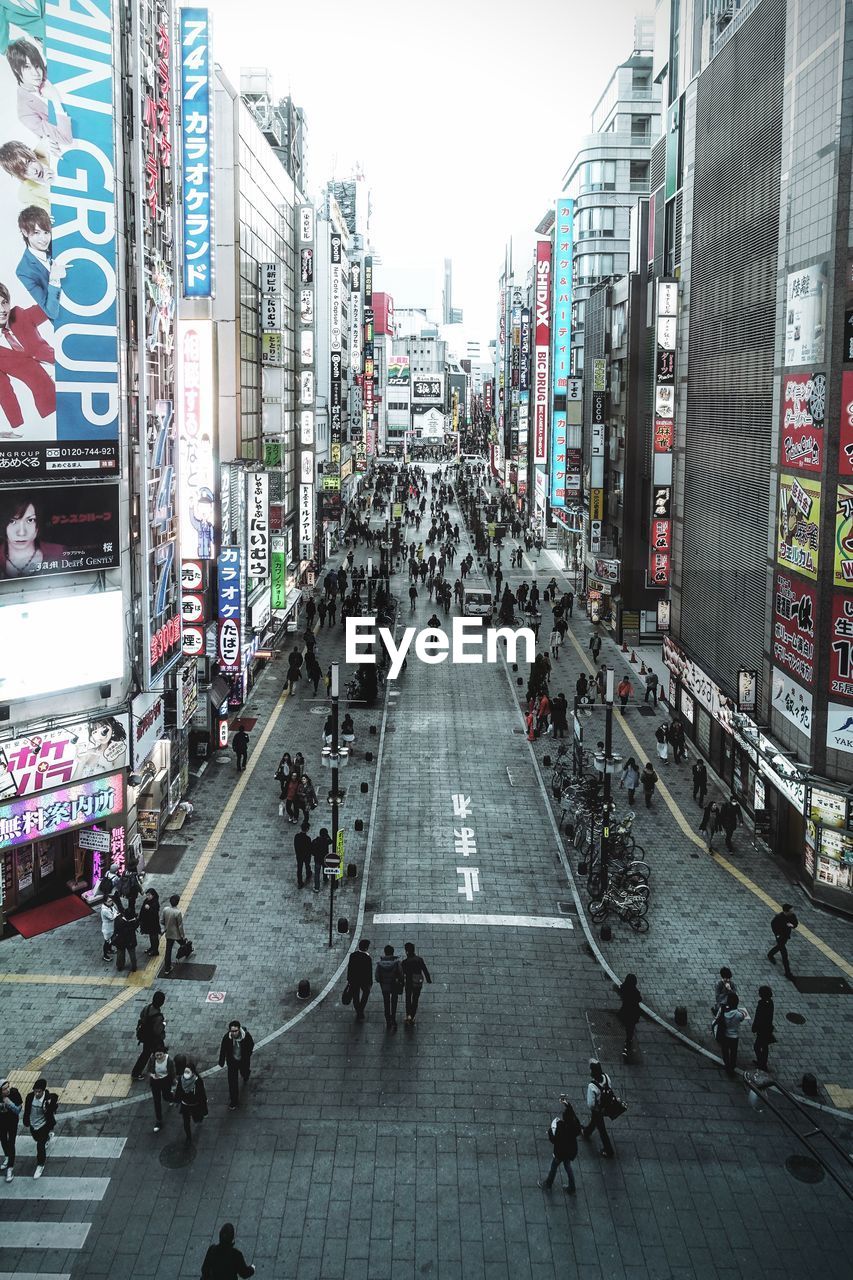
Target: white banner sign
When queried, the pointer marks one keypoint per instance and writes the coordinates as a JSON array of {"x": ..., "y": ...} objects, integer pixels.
[{"x": 257, "y": 525}]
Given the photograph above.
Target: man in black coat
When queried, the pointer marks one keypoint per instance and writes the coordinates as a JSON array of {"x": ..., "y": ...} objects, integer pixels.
[
  {"x": 563, "y": 1132},
  {"x": 235, "y": 1052},
  {"x": 224, "y": 1261},
  {"x": 302, "y": 849},
  {"x": 783, "y": 925},
  {"x": 360, "y": 977}
]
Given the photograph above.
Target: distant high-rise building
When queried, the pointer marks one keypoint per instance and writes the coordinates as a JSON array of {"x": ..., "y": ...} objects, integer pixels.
[
  {"x": 353, "y": 197},
  {"x": 447, "y": 294},
  {"x": 282, "y": 124}
]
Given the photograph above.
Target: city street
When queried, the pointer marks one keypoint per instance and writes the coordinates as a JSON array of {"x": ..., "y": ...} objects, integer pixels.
[{"x": 363, "y": 1152}]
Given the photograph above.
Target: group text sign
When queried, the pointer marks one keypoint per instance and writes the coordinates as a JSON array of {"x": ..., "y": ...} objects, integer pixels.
[{"x": 59, "y": 398}]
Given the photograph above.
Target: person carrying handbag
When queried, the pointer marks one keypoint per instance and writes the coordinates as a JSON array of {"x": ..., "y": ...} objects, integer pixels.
[{"x": 597, "y": 1092}]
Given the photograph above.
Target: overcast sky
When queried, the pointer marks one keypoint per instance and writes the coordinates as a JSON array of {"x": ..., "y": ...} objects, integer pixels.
[{"x": 463, "y": 114}]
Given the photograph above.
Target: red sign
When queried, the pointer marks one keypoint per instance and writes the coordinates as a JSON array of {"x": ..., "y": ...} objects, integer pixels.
[
  {"x": 165, "y": 640},
  {"x": 803, "y": 401},
  {"x": 841, "y": 647},
  {"x": 542, "y": 348},
  {"x": 661, "y": 535},
  {"x": 845, "y": 445},
  {"x": 659, "y": 568},
  {"x": 663, "y": 435},
  {"x": 794, "y": 614}
]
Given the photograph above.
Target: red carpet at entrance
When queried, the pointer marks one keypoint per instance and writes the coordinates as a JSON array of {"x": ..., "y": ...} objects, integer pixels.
[
  {"x": 49, "y": 916},
  {"x": 248, "y": 723}
]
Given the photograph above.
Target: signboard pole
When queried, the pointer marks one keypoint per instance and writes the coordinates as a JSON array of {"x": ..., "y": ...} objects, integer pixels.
[{"x": 335, "y": 747}]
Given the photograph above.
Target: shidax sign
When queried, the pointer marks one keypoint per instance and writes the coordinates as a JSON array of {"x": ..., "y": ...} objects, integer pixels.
[{"x": 464, "y": 646}]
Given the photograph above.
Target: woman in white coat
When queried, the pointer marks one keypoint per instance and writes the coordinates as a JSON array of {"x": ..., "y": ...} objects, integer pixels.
[{"x": 109, "y": 911}]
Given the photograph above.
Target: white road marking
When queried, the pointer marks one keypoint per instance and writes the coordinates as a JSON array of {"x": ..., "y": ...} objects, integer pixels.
[
  {"x": 47, "y": 1188},
  {"x": 33, "y": 1275},
  {"x": 471, "y": 876},
  {"x": 87, "y": 1148},
  {"x": 464, "y": 841},
  {"x": 461, "y": 806},
  {"x": 44, "y": 1235},
  {"x": 454, "y": 917}
]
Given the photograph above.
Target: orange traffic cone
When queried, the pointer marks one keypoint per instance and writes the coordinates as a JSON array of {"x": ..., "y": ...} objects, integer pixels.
[
  {"x": 624, "y": 647},
  {"x": 643, "y": 669},
  {"x": 633, "y": 658}
]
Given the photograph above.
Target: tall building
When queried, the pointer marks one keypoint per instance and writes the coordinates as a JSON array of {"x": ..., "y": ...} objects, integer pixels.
[
  {"x": 609, "y": 173},
  {"x": 753, "y": 185}
]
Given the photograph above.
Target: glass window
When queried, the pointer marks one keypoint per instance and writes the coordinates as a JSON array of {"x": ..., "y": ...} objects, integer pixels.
[
  {"x": 593, "y": 266},
  {"x": 598, "y": 175},
  {"x": 595, "y": 222}
]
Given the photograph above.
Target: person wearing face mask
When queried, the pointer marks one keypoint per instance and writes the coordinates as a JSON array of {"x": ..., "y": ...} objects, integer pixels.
[
  {"x": 40, "y": 1119},
  {"x": 161, "y": 1077},
  {"x": 10, "y": 1111},
  {"x": 191, "y": 1097},
  {"x": 235, "y": 1052}
]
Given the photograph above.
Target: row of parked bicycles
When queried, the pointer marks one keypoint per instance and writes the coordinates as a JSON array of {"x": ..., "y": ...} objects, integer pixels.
[{"x": 623, "y": 888}]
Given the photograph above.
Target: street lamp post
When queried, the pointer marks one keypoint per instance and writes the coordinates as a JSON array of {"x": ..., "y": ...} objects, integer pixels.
[{"x": 335, "y": 798}]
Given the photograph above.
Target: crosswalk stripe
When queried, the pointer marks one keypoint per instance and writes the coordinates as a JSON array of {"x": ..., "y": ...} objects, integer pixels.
[
  {"x": 87, "y": 1148},
  {"x": 33, "y": 1275},
  {"x": 48, "y": 1188},
  {"x": 45, "y": 1235},
  {"x": 459, "y": 917}
]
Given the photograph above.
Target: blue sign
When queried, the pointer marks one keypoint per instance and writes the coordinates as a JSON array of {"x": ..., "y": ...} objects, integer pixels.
[
  {"x": 229, "y": 580},
  {"x": 564, "y": 234},
  {"x": 557, "y": 468},
  {"x": 196, "y": 153}
]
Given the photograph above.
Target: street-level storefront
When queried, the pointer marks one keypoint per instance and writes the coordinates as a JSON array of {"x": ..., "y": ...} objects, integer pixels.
[{"x": 152, "y": 796}]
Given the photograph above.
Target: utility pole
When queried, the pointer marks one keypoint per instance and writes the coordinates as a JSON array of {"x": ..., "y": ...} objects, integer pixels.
[{"x": 335, "y": 798}]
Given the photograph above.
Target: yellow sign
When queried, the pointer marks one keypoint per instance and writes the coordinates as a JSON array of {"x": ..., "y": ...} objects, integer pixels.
[
  {"x": 596, "y": 504},
  {"x": 339, "y": 850}
]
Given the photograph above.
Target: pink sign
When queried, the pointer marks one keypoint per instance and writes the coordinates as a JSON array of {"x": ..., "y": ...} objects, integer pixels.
[{"x": 38, "y": 817}]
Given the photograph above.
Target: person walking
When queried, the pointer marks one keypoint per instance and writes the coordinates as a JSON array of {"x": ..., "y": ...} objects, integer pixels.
[
  {"x": 360, "y": 977},
  {"x": 662, "y": 739},
  {"x": 570, "y": 602},
  {"x": 40, "y": 1119},
  {"x": 160, "y": 1070},
  {"x": 652, "y": 687},
  {"x": 700, "y": 782},
  {"x": 563, "y": 1133},
  {"x": 149, "y": 921},
  {"x": 783, "y": 925},
  {"x": 10, "y": 1113},
  {"x": 389, "y": 975},
  {"x": 414, "y": 972},
  {"x": 560, "y": 715},
  {"x": 648, "y": 780},
  {"x": 224, "y": 1261},
  {"x": 730, "y": 819},
  {"x": 762, "y": 1026},
  {"x": 595, "y": 646},
  {"x": 235, "y": 1053},
  {"x": 582, "y": 686},
  {"x": 321, "y": 612},
  {"x": 191, "y": 1097},
  {"x": 629, "y": 1012},
  {"x": 630, "y": 778},
  {"x": 333, "y": 609},
  {"x": 732, "y": 1017},
  {"x": 150, "y": 1031},
  {"x": 294, "y": 669},
  {"x": 599, "y": 1084},
  {"x": 413, "y": 595},
  {"x": 124, "y": 938},
  {"x": 109, "y": 914},
  {"x": 173, "y": 928},
  {"x": 240, "y": 747},
  {"x": 677, "y": 741},
  {"x": 624, "y": 689},
  {"x": 302, "y": 849},
  {"x": 556, "y": 640},
  {"x": 710, "y": 823},
  {"x": 320, "y": 846}
]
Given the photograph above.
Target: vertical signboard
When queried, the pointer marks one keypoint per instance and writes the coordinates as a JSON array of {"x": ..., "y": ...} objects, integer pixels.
[
  {"x": 197, "y": 485},
  {"x": 563, "y": 248},
  {"x": 154, "y": 286},
  {"x": 368, "y": 399},
  {"x": 541, "y": 348},
  {"x": 257, "y": 526},
  {"x": 197, "y": 240},
  {"x": 229, "y": 579},
  {"x": 666, "y": 332},
  {"x": 59, "y": 398},
  {"x": 306, "y": 223}
]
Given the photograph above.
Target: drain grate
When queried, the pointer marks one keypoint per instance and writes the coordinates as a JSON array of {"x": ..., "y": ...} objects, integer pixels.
[
  {"x": 566, "y": 908},
  {"x": 805, "y": 1169},
  {"x": 646, "y": 711},
  {"x": 823, "y": 986},
  {"x": 192, "y": 972},
  {"x": 166, "y": 859},
  {"x": 796, "y": 1018}
]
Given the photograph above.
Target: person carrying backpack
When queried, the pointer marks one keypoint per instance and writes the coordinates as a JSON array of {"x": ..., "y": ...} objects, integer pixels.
[
  {"x": 150, "y": 1032},
  {"x": 600, "y": 1098},
  {"x": 563, "y": 1133}
]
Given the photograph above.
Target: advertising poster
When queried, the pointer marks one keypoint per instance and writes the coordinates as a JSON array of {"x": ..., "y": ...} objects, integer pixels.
[
  {"x": 844, "y": 536},
  {"x": 257, "y": 525},
  {"x": 557, "y": 470},
  {"x": 792, "y": 701},
  {"x": 845, "y": 447},
  {"x": 398, "y": 371},
  {"x": 841, "y": 646},
  {"x": 839, "y": 727},
  {"x": 805, "y": 315},
  {"x": 229, "y": 578},
  {"x": 59, "y": 403},
  {"x": 58, "y": 529},
  {"x": 802, "y": 409},
  {"x": 41, "y": 816},
  {"x": 794, "y": 614},
  {"x": 563, "y": 248},
  {"x": 542, "y": 348},
  {"x": 197, "y": 169},
  {"x": 197, "y": 472},
  {"x": 57, "y": 757},
  {"x": 798, "y": 530}
]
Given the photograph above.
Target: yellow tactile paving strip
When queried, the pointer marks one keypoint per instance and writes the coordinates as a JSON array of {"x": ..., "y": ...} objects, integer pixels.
[{"x": 736, "y": 873}]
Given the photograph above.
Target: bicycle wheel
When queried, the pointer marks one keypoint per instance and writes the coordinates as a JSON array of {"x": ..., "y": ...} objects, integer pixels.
[
  {"x": 594, "y": 885},
  {"x": 638, "y": 904},
  {"x": 624, "y": 842},
  {"x": 598, "y": 910},
  {"x": 638, "y": 923}
]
